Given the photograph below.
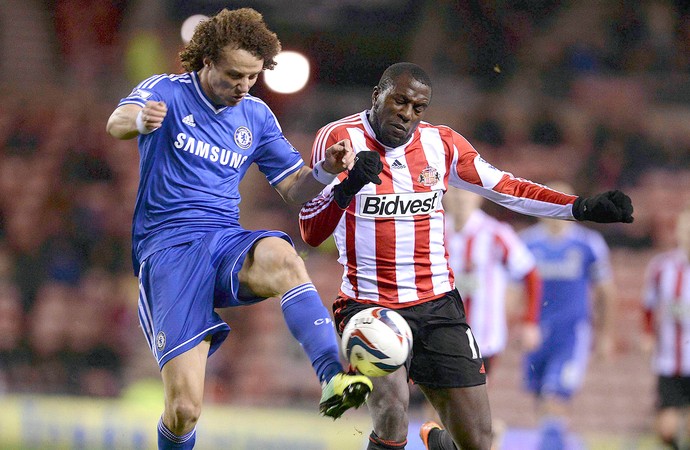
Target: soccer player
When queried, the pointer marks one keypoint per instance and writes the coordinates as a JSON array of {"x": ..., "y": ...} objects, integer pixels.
[
  {"x": 485, "y": 256},
  {"x": 388, "y": 223},
  {"x": 666, "y": 297},
  {"x": 198, "y": 133},
  {"x": 575, "y": 267}
]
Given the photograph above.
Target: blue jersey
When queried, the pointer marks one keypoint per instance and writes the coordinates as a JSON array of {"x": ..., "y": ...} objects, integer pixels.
[
  {"x": 190, "y": 168},
  {"x": 568, "y": 265}
]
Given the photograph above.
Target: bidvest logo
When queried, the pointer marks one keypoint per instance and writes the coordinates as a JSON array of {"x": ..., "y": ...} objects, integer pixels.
[{"x": 399, "y": 205}]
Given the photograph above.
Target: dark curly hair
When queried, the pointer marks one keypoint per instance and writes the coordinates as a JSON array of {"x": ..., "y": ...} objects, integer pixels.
[{"x": 244, "y": 28}]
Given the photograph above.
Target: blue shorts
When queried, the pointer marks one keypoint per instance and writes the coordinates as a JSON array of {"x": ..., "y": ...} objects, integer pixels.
[
  {"x": 558, "y": 366},
  {"x": 180, "y": 286}
]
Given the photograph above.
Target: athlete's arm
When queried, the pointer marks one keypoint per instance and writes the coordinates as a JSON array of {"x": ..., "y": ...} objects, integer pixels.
[
  {"x": 604, "y": 293},
  {"x": 319, "y": 217},
  {"x": 122, "y": 123},
  {"x": 301, "y": 186},
  {"x": 531, "y": 334}
]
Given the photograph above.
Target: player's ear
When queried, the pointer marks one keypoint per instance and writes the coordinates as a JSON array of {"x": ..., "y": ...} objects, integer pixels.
[
  {"x": 374, "y": 95},
  {"x": 206, "y": 61}
]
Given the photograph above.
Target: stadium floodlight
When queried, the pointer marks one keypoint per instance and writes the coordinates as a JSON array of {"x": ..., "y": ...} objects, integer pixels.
[
  {"x": 188, "y": 26},
  {"x": 290, "y": 75}
]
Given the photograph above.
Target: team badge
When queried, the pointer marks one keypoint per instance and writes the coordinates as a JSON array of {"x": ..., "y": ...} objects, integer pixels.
[
  {"x": 160, "y": 341},
  {"x": 243, "y": 137},
  {"x": 429, "y": 176}
]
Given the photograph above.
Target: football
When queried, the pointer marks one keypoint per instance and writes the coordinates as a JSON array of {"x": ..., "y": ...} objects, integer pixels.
[{"x": 376, "y": 341}]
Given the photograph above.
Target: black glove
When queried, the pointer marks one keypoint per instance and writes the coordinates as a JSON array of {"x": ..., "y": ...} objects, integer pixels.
[
  {"x": 367, "y": 168},
  {"x": 607, "y": 207}
]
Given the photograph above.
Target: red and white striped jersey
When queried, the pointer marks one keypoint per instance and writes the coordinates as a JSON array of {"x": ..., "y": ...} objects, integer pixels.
[
  {"x": 391, "y": 239},
  {"x": 666, "y": 299},
  {"x": 485, "y": 256}
]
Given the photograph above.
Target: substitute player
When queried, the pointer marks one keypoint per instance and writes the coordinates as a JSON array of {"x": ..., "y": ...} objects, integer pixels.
[
  {"x": 198, "y": 134},
  {"x": 666, "y": 298},
  {"x": 575, "y": 267},
  {"x": 388, "y": 223},
  {"x": 485, "y": 256}
]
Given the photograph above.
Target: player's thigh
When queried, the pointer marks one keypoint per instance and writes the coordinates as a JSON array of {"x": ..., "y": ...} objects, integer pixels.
[
  {"x": 271, "y": 268},
  {"x": 183, "y": 376}
]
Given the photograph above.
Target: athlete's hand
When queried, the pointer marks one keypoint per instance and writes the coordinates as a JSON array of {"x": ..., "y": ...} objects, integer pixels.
[
  {"x": 152, "y": 115},
  {"x": 366, "y": 170},
  {"x": 530, "y": 337},
  {"x": 607, "y": 207},
  {"x": 339, "y": 157}
]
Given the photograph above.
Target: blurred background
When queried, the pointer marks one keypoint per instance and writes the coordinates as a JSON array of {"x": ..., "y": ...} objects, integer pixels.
[{"x": 592, "y": 92}]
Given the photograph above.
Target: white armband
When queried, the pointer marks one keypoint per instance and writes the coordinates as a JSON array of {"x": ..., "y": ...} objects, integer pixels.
[
  {"x": 322, "y": 175},
  {"x": 141, "y": 128}
]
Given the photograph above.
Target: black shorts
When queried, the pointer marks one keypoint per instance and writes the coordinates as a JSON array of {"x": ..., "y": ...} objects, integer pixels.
[
  {"x": 673, "y": 392},
  {"x": 444, "y": 351}
]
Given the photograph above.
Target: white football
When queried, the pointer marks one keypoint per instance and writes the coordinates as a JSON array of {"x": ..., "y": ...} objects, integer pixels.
[{"x": 376, "y": 341}]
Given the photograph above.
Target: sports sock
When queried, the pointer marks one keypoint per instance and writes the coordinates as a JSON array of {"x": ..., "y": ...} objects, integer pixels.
[
  {"x": 168, "y": 441},
  {"x": 552, "y": 435},
  {"x": 376, "y": 443},
  {"x": 441, "y": 440},
  {"x": 309, "y": 322}
]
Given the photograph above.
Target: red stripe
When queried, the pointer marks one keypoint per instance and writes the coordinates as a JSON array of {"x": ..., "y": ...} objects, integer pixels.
[
  {"x": 417, "y": 162},
  {"x": 386, "y": 276},
  {"x": 468, "y": 266},
  {"x": 350, "y": 228},
  {"x": 679, "y": 323}
]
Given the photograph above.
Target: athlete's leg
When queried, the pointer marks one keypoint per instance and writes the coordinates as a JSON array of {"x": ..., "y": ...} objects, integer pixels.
[
  {"x": 465, "y": 413},
  {"x": 388, "y": 407},
  {"x": 667, "y": 422},
  {"x": 183, "y": 384},
  {"x": 273, "y": 268}
]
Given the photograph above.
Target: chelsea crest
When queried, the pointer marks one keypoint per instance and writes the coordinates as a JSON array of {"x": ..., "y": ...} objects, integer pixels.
[{"x": 243, "y": 137}]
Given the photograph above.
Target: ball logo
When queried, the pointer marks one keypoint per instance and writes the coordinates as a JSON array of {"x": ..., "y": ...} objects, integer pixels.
[
  {"x": 160, "y": 341},
  {"x": 243, "y": 138}
]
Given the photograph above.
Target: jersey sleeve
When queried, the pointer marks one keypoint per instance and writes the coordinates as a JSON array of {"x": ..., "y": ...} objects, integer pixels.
[
  {"x": 468, "y": 170},
  {"x": 154, "y": 88},
  {"x": 319, "y": 217},
  {"x": 601, "y": 268},
  {"x": 276, "y": 157},
  {"x": 521, "y": 266}
]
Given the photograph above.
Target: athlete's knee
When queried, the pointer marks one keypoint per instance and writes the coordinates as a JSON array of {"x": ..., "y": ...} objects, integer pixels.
[
  {"x": 183, "y": 414},
  {"x": 290, "y": 269}
]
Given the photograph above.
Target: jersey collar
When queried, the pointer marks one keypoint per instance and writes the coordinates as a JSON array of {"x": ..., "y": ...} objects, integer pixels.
[{"x": 203, "y": 97}]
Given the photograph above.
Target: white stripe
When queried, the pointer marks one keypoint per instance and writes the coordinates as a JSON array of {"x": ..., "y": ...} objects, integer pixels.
[
  {"x": 204, "y": 332},
  {"x": 319, "y": 150},
  {"x": 314, "y": 207},
  {"x": 296, "y": 291},
  {"x": 201, "y": 95},
  {"x": 145, "y": 84},
  {"x": 289, "y": 170},
  {"x": 258, "y": 100}
]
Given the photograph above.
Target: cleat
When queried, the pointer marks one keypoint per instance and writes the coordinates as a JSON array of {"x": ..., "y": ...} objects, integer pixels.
[
  {"x": 343, "y": 392},
  {"x": 425, "y": 431}
]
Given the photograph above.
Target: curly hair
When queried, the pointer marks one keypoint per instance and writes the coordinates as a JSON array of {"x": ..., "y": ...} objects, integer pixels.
[{"x": 243, "y": 28}]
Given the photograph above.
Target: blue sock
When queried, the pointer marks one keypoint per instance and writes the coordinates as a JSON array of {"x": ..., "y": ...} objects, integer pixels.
[
  {"x": 553, "y": 433},
  {"x": 168, "y": 441},
  {"x": 309, "y": 322}
]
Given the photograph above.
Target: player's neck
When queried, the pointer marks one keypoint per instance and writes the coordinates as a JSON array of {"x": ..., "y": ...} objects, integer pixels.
[{"x": 206, "y": 88}]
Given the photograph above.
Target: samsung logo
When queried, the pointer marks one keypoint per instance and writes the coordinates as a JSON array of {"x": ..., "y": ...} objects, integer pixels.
[{"x": 399, "y": 205}]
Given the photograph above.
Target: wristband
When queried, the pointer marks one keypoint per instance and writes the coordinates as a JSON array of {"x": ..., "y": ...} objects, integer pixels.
[
  {"x": 322, "y": 175},
  {"x": 141, "y": 128}
]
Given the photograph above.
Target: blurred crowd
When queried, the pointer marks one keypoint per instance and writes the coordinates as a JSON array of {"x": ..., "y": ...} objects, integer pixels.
[{"x": 575, "y": 91}]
